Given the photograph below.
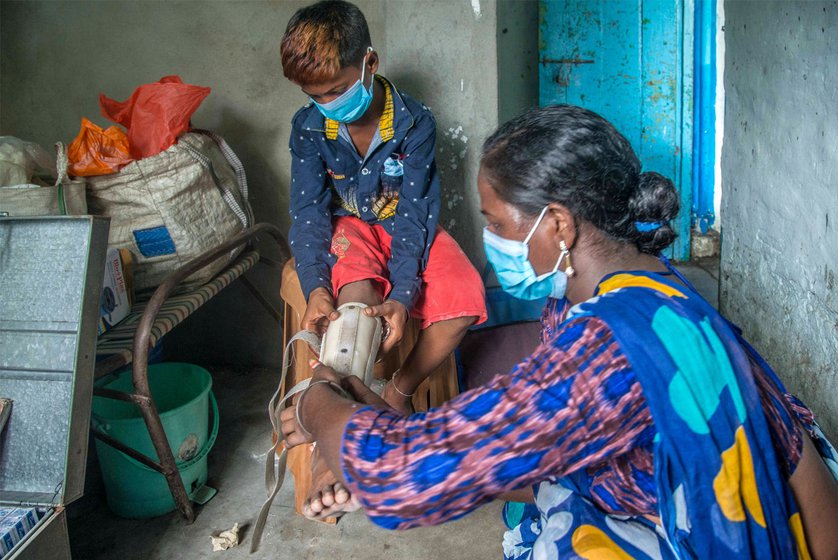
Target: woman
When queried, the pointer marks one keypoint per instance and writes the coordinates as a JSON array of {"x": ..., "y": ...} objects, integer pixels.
[{"x": 643, "y": 425}]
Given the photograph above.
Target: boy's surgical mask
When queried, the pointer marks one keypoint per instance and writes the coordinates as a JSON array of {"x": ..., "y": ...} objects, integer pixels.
[
  {"x": 516, "y": 275},
  {"x": 353, "y": 103}
]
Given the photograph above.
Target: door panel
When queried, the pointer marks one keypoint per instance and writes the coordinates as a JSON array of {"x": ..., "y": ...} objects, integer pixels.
[{"x": 631, "y": 62}]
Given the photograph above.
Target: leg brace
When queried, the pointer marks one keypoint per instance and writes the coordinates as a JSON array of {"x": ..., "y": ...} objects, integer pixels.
[{"x": 350, "y": 347}]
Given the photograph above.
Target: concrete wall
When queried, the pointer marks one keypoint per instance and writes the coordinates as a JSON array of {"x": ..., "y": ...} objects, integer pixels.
[
  {"x": 779, "y": 269},
  {"x": 442, "y": 52},
  {"x": 56, "y": 57},
  {"x": 517, "y": 37}
]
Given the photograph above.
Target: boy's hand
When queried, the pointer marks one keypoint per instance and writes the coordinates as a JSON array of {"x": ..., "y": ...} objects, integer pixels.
[
  {"x": 320, "y": 310},
  {"x": 395, "y": 315}
]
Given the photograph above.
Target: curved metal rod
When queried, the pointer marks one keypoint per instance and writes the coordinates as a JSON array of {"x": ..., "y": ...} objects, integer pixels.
[
  {"x": 161, "y": 294},
  {"x": 140, "y": 357}
]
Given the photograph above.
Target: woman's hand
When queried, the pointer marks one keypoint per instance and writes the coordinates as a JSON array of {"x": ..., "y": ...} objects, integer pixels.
[
  {"x": 361, "y": 393},
  {"x": 395, "y": 315},
  {"x": 322, "y": 372},
  {"x": 292, "y": 431},
  {"x": 320, "y": 311}
]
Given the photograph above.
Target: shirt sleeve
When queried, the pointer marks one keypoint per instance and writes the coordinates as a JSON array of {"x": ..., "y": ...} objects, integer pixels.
[
  {"x": 311, "y": 225},
  {"x": 572, "y": 404},
  {"x": 417, "y": 212}
]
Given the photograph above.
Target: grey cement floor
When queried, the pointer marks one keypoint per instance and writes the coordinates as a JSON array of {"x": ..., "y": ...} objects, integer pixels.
[{"x": 236, "y": 470}]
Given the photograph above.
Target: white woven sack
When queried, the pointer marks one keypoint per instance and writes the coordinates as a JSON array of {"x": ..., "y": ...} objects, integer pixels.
[
  {"x": 170, "y": 208},
  {"x": 65, "y": 197}
]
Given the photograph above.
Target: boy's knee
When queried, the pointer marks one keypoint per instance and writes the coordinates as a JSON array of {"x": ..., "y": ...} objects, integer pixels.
[
  {"x": 362, "y": 291},
  {"x": 459, "y": 324}
]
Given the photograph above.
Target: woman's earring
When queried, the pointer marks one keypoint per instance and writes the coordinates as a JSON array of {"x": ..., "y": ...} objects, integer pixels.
[{"x": 569, "y": 269}]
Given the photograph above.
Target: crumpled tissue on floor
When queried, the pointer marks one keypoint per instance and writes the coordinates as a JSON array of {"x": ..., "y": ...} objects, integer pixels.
[{"x": 226, "y": 539}]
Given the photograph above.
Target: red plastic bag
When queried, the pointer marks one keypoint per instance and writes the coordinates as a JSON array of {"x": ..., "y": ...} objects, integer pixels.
[
  {"x": 97, "y": 152},
  {"x": 155, "y": 114}
]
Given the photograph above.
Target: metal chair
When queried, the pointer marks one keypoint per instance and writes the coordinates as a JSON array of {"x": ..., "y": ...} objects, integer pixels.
[{"x": 131, "y": 340}]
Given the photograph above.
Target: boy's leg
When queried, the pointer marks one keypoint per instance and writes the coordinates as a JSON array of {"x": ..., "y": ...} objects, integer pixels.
[
  {"x": 352, "y": 243},
  {"x": 327, "y": 496},
  {"x": 432, "y": 347},
  {"x": 452, "y": 300},
  {"x": 362, "y": 291}
]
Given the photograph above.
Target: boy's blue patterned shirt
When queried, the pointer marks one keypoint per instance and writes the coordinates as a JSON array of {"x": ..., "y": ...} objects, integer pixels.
[{"x": 395, "y": 185}]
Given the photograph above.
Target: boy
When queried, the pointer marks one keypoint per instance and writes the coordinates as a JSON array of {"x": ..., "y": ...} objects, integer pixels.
[{"x": 365, "y": 200}]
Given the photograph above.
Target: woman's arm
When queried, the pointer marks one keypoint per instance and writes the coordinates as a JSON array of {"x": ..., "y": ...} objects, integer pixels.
[
  {"x": 816, "y": 493},
  {"x": 573, "y": 403}
]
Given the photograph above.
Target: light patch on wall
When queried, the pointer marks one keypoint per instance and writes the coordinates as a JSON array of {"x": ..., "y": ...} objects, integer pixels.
[
  {"x": 451, "y": 156},
  {"x": 457, "y": 145},
  {"x": 475, "y": 7}
]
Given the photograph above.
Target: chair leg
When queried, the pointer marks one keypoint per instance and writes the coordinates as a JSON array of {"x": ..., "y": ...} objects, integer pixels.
[{"x": 165, "y": 456}]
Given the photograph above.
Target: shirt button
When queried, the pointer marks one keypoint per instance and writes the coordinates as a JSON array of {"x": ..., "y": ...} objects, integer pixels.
[
  {"x": 364, "y": 209},
  {"x": 365, "y": 171}
]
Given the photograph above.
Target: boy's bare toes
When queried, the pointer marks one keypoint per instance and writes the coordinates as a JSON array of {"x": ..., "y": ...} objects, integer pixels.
[
  {"x": 342, "y": 494},
  {"x": 327, "y": 496}
]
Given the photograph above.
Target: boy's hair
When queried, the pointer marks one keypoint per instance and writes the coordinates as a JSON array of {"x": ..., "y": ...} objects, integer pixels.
[{"x": 322, "y": 39}]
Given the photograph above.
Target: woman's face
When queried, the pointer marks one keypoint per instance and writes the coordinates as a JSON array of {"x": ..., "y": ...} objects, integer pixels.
[{"x": 507, "y": 221}]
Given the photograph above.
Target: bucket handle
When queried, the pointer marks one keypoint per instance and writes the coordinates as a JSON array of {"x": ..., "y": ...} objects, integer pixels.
[{"x": 200, "y": 455}]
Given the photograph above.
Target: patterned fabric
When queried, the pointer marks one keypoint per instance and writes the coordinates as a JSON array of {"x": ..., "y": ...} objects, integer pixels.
[
  {"x": 395, "y": 185},
  {"x": 362, "y": 251},
  {"x": 573, "y": 419},
  {"x": 704, "y": 401},
  {"x": 546, "y": 419},
  {"x": 118, "y": 342}
]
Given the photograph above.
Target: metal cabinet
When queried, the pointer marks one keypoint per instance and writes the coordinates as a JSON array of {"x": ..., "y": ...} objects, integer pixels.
[{"x": 51, "y": 271}]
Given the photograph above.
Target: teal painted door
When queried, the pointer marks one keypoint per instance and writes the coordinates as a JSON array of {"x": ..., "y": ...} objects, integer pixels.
[{"x": 631, "y": 62}]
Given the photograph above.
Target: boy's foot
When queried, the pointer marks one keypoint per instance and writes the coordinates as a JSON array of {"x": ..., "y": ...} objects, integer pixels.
[
  {"x": 327, "y": 497},
  {"x": 399, "y": 403}
]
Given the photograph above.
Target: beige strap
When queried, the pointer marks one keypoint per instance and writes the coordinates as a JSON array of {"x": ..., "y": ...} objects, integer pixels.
[{"x": 275, "y": 465}]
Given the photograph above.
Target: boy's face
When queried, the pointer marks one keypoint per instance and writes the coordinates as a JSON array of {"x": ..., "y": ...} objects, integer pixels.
[{"x": 328, "y": 90}]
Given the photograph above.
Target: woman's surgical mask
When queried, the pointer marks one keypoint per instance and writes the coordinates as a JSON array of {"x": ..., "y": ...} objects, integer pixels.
[
  {"x": 353, "y": 103},
  {"x": 516, "y": 275}
]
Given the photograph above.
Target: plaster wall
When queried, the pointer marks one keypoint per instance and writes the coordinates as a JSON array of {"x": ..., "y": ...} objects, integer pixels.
[
  {"x": 779, "y": 263},
  {"x": 442, "y": 52},
  {"x": 56, "y": 57},
  {"x": 517, "y": 33}
]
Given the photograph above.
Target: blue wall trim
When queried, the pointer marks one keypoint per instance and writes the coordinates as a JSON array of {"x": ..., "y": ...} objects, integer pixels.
[{"x": 703, "y": 213}]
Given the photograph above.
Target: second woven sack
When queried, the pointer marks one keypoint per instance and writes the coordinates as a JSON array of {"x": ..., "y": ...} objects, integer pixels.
[{"x": 170, "y": 208}]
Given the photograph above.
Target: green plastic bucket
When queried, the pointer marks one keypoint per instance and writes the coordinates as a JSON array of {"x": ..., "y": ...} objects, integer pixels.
[{"x": 182, "y": 395}]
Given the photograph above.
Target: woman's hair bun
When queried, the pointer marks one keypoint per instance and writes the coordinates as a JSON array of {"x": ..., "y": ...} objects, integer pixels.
[{"x": 652, "y": 208}]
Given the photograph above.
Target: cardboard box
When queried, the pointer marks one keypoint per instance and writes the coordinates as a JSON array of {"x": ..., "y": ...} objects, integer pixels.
[{"x": 115, "y": 303}]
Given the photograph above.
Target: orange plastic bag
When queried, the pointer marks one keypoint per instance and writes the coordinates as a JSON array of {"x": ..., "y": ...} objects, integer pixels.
[
  {"x": 97, "y": 152},
  {"x": 155, "y": 114}
]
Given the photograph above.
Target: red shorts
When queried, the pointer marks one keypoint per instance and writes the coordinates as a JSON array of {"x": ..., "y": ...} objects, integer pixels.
[{"x": 451, "y": 286}]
